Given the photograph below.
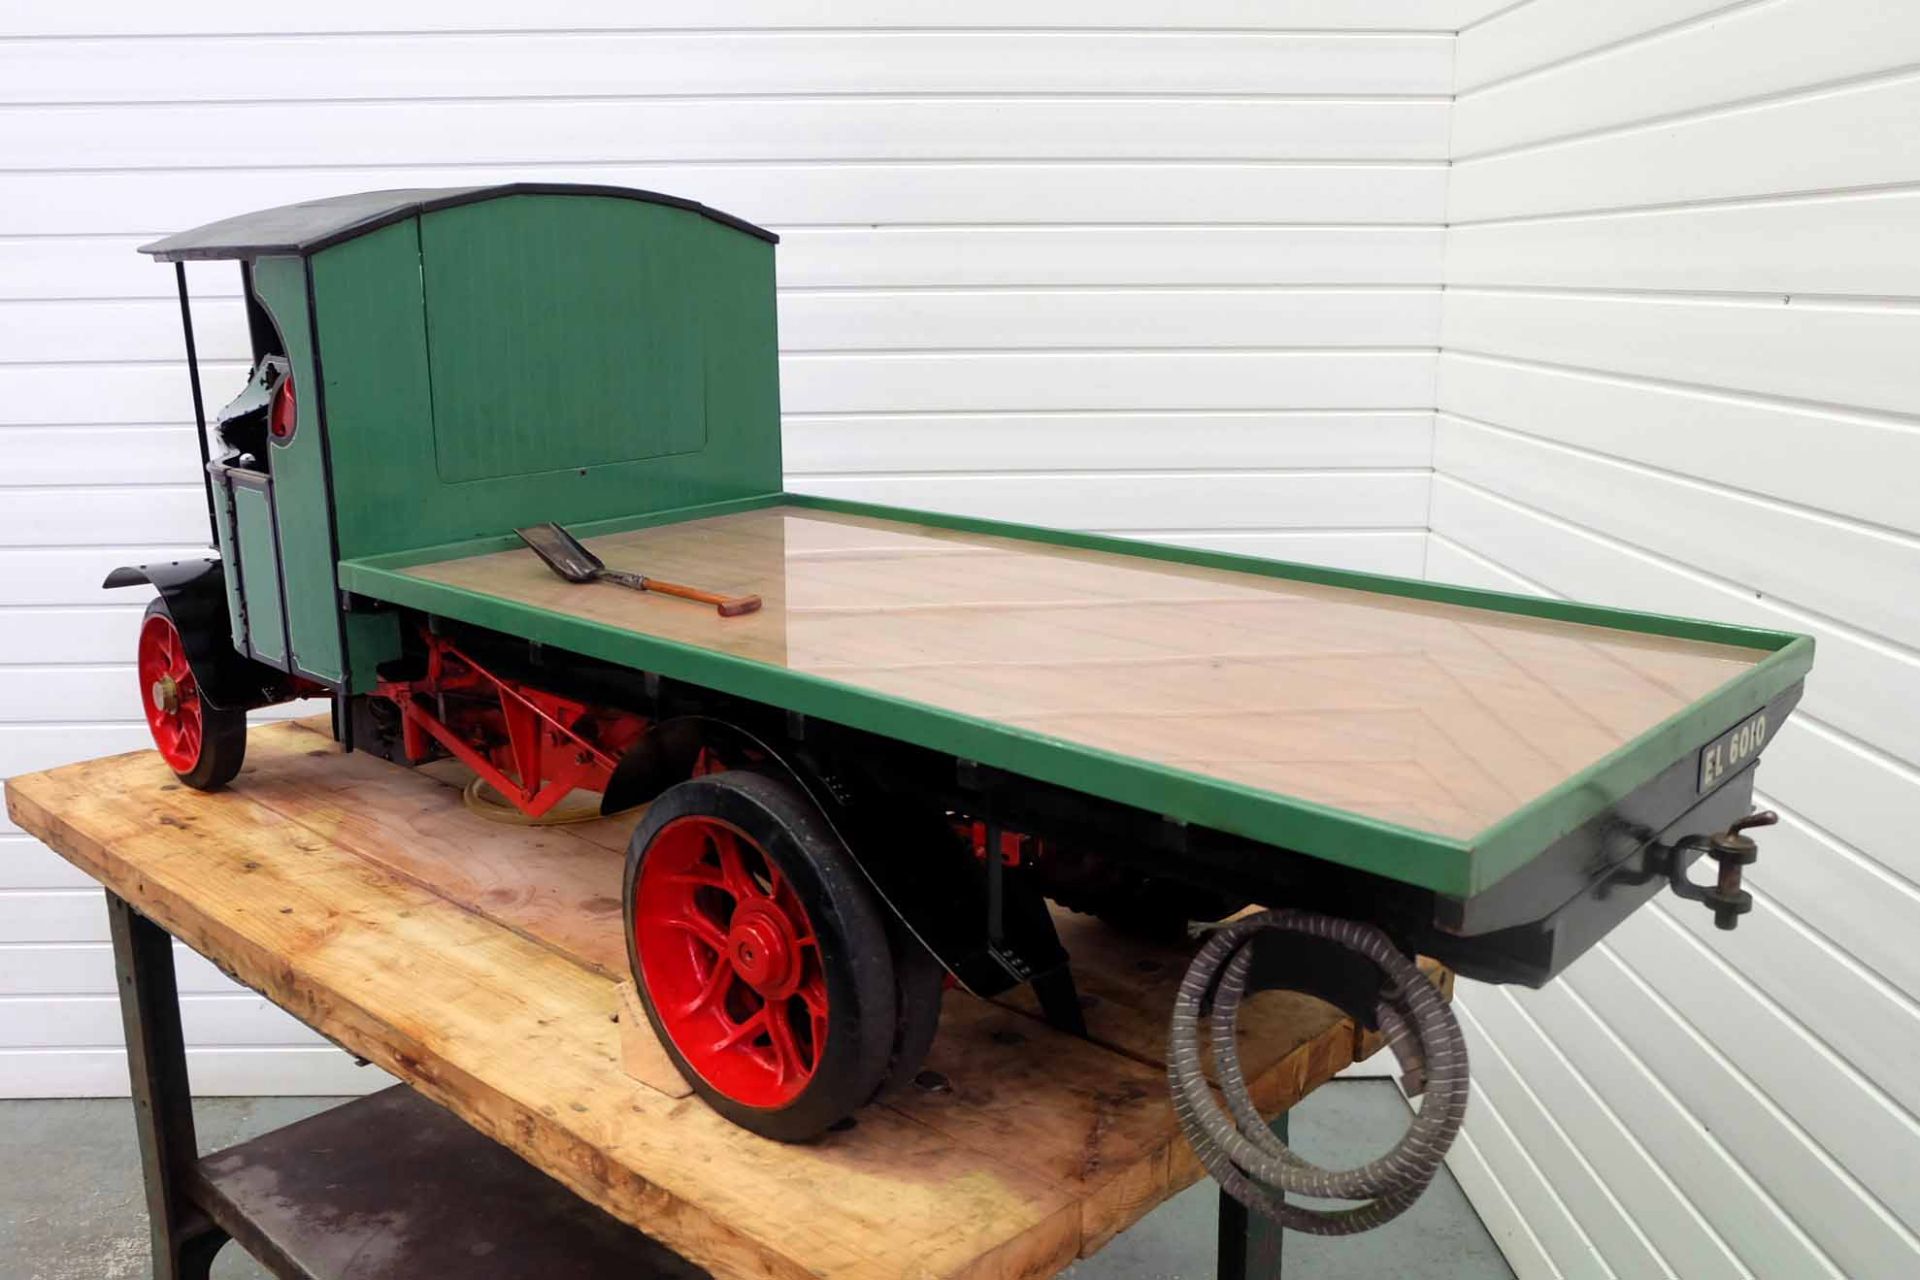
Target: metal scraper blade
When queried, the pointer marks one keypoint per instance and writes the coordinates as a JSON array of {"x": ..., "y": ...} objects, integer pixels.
[{"x": 562, "y": 551}]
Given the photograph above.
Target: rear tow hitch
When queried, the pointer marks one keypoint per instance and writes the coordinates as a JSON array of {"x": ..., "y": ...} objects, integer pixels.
[{"x": 1734, "y": 850}]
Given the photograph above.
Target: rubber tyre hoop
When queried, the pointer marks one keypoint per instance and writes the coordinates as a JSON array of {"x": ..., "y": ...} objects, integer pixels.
[
  {"x": 922, "y": 982},
  {"x": 855, "y": 957},
  {"x": 223, "y": 730}
]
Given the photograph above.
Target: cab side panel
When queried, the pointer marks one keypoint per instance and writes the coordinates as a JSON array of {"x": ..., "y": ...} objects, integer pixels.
[
  {"x": 258, "y": 573},
  {"x": 300, "y": 490},
  {"x": 229, "y": 547}
]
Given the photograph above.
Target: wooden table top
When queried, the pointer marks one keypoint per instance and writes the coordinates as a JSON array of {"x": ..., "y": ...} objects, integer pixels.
[
  {"x": 1440, "y": 717},
  {"x": 478, "y": 962}
]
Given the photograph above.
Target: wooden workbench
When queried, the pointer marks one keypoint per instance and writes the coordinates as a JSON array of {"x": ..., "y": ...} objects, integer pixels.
[{"x": 478, "y": 962}]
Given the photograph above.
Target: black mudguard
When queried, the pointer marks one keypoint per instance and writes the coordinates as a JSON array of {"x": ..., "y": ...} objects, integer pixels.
[
  {"x": 667, "y": 755},
  {"x": 196, "y": 596},
  {"x": 934, "y": 891}
]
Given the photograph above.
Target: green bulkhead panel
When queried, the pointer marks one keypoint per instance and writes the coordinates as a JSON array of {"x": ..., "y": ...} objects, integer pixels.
[
  {"x": 558, "y": 338},
  {"x": 259, "y": 572},
  {"x": 543, "y": 357}
]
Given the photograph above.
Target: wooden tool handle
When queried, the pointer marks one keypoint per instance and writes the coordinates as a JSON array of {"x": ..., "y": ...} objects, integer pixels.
[{"x": 729, "y": 606}]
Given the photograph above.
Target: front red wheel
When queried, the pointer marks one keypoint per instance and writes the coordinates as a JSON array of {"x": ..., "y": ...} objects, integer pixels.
[
  {"x": 760, "y": 955},
  {"x": 203, "y": 744}
]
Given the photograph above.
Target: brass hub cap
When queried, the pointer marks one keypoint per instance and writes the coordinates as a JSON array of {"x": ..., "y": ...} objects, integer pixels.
[{"x": 166, "y": 696}]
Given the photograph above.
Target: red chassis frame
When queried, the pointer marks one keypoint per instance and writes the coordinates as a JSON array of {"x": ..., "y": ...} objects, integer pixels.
[
  {"x": 535, "y": 747},
  {"x": 532, "y": 746}
]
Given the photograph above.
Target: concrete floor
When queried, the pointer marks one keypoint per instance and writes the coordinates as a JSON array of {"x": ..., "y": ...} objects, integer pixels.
[
  {"x": 1340, "y": 1125},
  {"x": 71, "y": 1206}
]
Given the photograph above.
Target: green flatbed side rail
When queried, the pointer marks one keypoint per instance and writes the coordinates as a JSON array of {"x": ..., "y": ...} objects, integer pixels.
[{"x": 1455, "y": 867}]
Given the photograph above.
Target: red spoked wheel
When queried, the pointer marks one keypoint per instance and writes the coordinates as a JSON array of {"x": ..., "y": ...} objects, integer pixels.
[
  {"x": 760, "y": 956},
  {"x": 203, "y": 744},
  {"x": 732, "y": 961}
]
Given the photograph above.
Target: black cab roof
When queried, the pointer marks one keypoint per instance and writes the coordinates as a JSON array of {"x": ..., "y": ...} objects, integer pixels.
[{"x": 313, "y": 225}]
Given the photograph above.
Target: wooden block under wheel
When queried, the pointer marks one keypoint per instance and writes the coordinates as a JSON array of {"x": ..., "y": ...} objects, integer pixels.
[{"x": 641, "y": 1054}]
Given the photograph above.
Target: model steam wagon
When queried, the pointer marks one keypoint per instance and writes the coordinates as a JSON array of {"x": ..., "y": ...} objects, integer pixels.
[{"x": 930, "y": 726}]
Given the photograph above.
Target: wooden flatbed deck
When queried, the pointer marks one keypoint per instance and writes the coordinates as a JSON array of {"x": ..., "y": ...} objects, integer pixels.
[
  {"x": 1439, "y": 717},
  {"x": 478, "y": 962}
]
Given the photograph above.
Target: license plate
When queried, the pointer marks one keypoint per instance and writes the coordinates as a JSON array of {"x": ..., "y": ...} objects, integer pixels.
[{"x": 1732, "y": 751}]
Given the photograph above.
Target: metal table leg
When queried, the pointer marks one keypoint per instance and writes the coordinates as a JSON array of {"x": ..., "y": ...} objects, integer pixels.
[
  {"x": 1249, "y": 1243},
  {"x": 184, "y": 1239}
]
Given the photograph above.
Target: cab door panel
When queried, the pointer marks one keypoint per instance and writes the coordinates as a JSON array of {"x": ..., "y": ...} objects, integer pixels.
[{"x": 251, "y": 544}]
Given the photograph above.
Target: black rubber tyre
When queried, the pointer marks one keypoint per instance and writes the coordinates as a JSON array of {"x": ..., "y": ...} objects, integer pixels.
[
  {"x": 854, "y": 954},
  {"x": 922, "y": 982},
  {"x": 222, "y": 738}
]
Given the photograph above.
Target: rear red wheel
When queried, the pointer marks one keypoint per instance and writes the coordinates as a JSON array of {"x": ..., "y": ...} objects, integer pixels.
[
  {"x": 760, "y": 956},
  {"x": 203, "y": 744},
  {"x": 732, "y": 961}
]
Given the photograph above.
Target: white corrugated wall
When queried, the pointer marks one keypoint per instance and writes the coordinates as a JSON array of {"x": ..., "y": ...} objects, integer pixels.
[
  {"x": 1169, "y": 269},
  {"x": 1682, "y": 373},
  {"x": 1119, "y": 265}
]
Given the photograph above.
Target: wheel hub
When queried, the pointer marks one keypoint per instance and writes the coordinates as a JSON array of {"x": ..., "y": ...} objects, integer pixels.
[
  {"x": 173, "y": 710},
  {"x": 729, "y": 961},
  {"x": 764, "y": 948},
  {"x": 166, "y": 696}
]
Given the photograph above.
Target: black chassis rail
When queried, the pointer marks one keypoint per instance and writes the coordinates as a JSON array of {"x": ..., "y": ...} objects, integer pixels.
[{"x": 1543, "y": 916}]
